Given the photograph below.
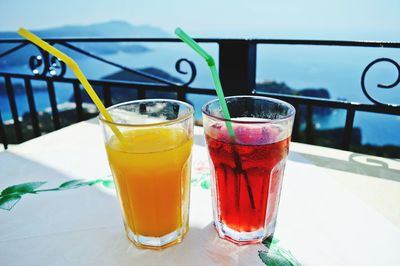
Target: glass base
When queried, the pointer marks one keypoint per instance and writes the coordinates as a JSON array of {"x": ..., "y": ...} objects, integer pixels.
[
  {"x": 157, "y": 243},
  {"x": 244, "y": 238}
]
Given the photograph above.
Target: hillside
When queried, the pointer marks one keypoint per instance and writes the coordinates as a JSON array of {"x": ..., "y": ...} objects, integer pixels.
[
  {"x": 282, "y": 88},
  {"x": 124, "y": 94}
]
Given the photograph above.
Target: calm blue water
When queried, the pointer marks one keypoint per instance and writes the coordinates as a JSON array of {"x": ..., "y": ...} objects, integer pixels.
[{"x": 337, "y": 69}]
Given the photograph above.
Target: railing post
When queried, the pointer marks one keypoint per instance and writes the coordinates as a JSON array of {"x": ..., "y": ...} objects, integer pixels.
[
  {"x": 348, "y": 129},
  {"x": 13, "y": 107},
  {"x": 3, "y": 137},
  {"x": 107, "y": 96},
  {"x": 181, "y": 94},
  {"x": 310, "y": 134},
  {"x": 53, "y": 105},
  {"x": 78, "y": 101},
  {"x": 296, "y": 124},
  {"x": 141, "y": 94},
  {"x": 32, "y": 108},
  {"x": 237, "y": 66}
]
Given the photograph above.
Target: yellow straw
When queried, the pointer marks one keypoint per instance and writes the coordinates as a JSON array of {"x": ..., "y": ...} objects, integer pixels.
[{"x": 77, "y": 71}]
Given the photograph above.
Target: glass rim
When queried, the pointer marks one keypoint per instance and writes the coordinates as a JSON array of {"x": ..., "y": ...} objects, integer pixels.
[
  {"x": 286, "y": 117},
  {"x": 168, "y": 122}
]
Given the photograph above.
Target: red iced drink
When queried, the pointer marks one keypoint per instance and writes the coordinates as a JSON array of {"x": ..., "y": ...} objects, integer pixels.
[
  {"x": 248, "y": 177},
  {"x": 247, "y": 164}
]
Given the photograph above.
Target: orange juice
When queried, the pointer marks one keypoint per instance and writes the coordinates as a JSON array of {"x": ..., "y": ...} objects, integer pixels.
[{"x": 151, "y": 169}]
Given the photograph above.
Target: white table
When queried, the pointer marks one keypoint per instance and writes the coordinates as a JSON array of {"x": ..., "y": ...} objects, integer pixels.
[{"x": 337, "y": 208}]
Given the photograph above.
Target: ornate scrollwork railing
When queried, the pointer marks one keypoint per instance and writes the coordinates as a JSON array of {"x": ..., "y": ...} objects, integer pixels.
[
  {"x": 49, "y": 69},
  {"x": 382, "y": 86},
  {"x": 193, "y": 71},
  {"x": 152, "y": 77},
  {"x": 46, "y": 64}
]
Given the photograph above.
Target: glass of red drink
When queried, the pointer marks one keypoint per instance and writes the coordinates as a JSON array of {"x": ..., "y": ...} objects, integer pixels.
[{"x": 247, "y": 167}]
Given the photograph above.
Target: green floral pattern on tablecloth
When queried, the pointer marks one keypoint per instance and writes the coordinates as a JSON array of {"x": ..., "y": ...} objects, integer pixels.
[
  {"x": 201, "y": 174},
  {"x": 275, "y": 255},
  {"x": 10, "y": 196}
]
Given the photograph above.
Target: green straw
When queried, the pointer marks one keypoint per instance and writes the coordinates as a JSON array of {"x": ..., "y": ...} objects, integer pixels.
[
  {"x": 220, "y": 93},
  {"x": 217, "y": 83}
]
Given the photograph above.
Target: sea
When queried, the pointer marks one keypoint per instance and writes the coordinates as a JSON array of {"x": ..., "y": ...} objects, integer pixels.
[{"x": 337, "y": 69}]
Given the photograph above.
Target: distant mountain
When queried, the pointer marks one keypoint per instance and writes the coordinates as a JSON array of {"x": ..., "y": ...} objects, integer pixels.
[
  {"x": 282, "y": 88},
  {"x": 276, "y": 87},
  {"x": 106, "y": 29},
  {"x": 110, "y": 29}
]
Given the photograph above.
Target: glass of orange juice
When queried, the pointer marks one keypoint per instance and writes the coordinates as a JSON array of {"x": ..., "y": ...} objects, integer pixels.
[{"x": 149, "y": 147}]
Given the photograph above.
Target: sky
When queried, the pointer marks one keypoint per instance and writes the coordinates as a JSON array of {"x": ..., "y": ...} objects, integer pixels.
[{"x": 338, "y": 19}]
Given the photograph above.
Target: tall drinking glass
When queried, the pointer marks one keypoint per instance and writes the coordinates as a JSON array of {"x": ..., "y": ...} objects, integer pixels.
[
  {"x": 150, "y": 162},
  {"x": 247, "y": 168}
]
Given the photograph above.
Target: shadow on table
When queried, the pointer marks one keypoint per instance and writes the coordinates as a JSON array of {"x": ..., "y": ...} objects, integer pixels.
[
  {"x": 199, "y": 139},
  {"x": 49, "y": 209},
  {"x": 94, "y": 121},
  {"x": 201, "y": 246},
  {"x": 24, "y": 177},
  {"x": 356, "y": 163}
]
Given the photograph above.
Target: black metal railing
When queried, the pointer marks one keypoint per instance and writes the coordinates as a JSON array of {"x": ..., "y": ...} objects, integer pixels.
[{"x": 237, "y": 68}]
